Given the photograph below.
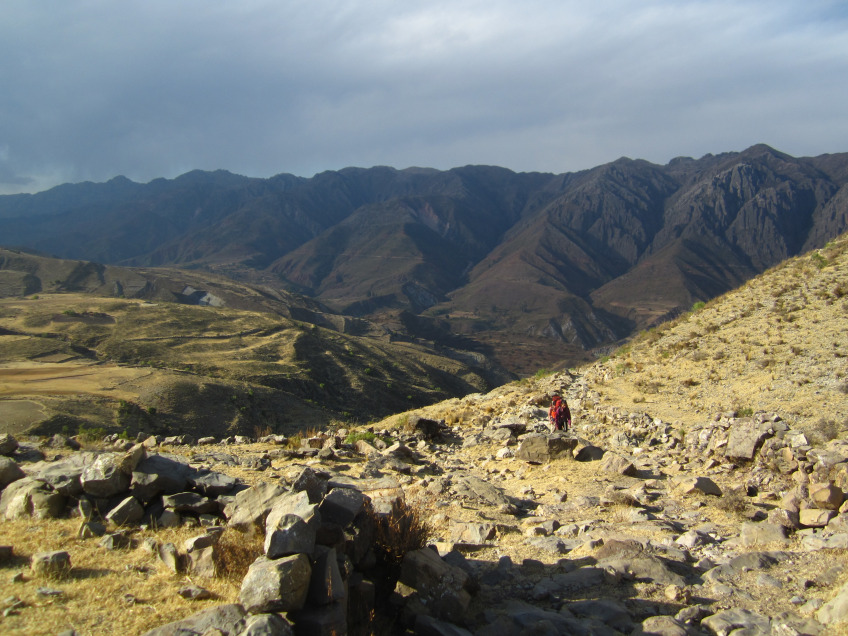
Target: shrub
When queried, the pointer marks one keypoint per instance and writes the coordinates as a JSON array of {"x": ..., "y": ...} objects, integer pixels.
[
  {"x": 698, "y": 306},
  {"x": 93, "y": 434},
  {"x": 402, "y": 530}
]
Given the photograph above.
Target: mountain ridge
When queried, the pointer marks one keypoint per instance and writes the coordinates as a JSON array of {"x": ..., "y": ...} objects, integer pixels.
[{"x": 560, "y": 263}]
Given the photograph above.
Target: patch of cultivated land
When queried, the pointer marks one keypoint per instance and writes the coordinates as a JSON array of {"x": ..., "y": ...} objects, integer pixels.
[{"x": 701, "y": 491}]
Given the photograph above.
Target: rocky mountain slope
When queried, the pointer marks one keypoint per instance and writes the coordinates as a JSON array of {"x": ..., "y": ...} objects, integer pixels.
[
  {"x": 701, "y": 491},
  {"x": 200, "y": 353},
  {"x": 539, "y": 267}
]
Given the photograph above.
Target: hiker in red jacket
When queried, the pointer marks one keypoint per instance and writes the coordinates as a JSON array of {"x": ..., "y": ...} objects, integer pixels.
[{"x": 559, "y": 414}]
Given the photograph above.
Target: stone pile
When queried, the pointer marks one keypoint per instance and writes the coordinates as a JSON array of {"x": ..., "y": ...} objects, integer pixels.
[{"x": 121, "y": 488}]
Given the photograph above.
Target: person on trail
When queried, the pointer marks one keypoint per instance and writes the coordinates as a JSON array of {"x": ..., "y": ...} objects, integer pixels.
[{"x": 559, "y": 414}]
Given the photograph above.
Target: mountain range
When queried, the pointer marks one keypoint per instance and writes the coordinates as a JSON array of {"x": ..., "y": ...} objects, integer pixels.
[{"x": 537, "y": 268}]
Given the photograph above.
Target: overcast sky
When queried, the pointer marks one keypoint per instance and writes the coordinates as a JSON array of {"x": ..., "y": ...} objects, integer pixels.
[{"x": 155, "y": 88}]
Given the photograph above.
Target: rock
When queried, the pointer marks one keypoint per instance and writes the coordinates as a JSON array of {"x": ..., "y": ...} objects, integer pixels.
[
  {"x": 440, "y": 586},
  {"x": 202, "y": 562},
  {"x": 815, "y": 518},
  {"x": 279, "y": 585},
  {"x": 30, "y": 497},
  {"x": 324, "y": 620},
  {"x": 835, "y": 611},
  {"x": 194, "y": 593},
  {"x": 726, "y": 621},
  {"x": 785, "y": 518},
  {"x": 429, "y": 626},
  {"x": 226, "y": 619},
  {"x": 661, "y": 626},
  {"x": 541, "y": 449},
  {"x": 745, "y": 439},
  {"x": 159, "y": 474},
  {"x": 8, "y": 444},
  {"x": 250, "y": 507},
  {"x": 608, "y": 611},
  {"x": 189, "y": 502},
  {"x": 9, "y": 472},
  {"x": 326, "y": 585},
  {"x": 292, "y": 526},
  {"x": 127, "y": 512},
  {"x": 614, "y": 463},
  {"x": 167, "y": 553},
  {"x": 201, "y": 541},
  {"x": 115, "y": 541},
  {"x": 693, "y": 485},
  {"x": 471, "y": 533},
  {"x": 342, "y": 505},
  {"x": 826, "y": 496},
  {"x": 211, "y": 483},
  {"x": 105, "y": 477},
  {"x": 308, "y": 481},
  {"x": 752, "y": 534},
  {"x": 57, "y": 563},
  {"x": 267, "y": 625}
]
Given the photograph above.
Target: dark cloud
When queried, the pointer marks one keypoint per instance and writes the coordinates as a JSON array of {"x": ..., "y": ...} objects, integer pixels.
[{"x": 95, "y": 88}]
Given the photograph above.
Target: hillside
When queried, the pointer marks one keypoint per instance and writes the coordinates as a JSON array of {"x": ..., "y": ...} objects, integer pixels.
[
  {"x": 75, "y": 361},
  {"x": 536, "y": 268},
  {"x": 702, "y": 491}
]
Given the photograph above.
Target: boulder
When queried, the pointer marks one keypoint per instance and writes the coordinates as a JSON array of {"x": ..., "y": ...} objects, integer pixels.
[
  {"x": 745, "y": 439},
  {"x": 310, "y": 482},
  {"x": 539, "y": 448},
  {"x": 9, "y": 472},
  {"x": 614, "y": 463},
  {"x": 726, "y": 621},
  {"x": 752, "y": 534},
  {"x": 56, "y": 563},
  {"x": 250, "y": 507},
  {"x": 815, "y": 518},
  {"x": 291, "y": 526},
  {"x": 826, "y": 496},
  {"x": 105, "y": 476},
  {"x": 8, "y": 444},
  {"x": 211, "y": 483},
  {"x": 189, "y": 502},
  {"x": 223, "y": 619},
  {"x": 440, "y": 586},
  {"x": 126, "y": 512},
  {"x": 30, "y": 497},
  {"x": 278, "y": 585},
  {"x": 267, "y": 625},
  {"x": 326, "y": 585},
  {"x": 696, "y": 485},
  {"x": 159, "y": 474},
  {"x": 342, "y": 505}
]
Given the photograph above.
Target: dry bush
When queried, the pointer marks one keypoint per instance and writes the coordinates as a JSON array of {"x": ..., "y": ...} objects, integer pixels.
[
  {"x": 401, "y": 531},
  {"x": 236, "y": 552},
  {"x": 731, "y": 502}
]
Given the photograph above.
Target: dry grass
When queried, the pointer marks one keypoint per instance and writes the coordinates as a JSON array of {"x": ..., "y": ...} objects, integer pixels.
[{"x": 106, "y": 592}]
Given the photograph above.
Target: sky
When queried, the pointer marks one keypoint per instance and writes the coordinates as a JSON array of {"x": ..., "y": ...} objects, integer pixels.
[{"x": 92, "y": 89}]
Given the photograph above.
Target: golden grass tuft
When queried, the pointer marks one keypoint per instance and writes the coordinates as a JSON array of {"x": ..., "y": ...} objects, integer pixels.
[{"x": 236, "y": 553}]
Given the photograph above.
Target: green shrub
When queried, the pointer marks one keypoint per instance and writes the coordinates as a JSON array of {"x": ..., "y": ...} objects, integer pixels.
[{"x": 698, "y": 306}]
